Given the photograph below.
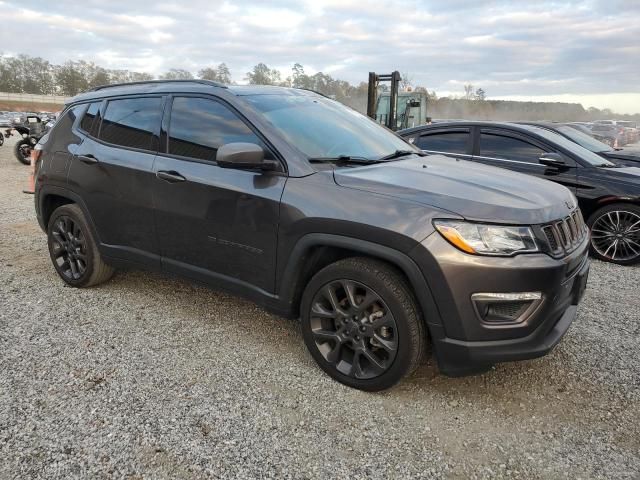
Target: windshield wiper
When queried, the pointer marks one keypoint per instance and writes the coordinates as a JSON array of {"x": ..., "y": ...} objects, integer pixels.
[
  {"x": 344, "y": 159},
  {"x": 402, "y": 153}
]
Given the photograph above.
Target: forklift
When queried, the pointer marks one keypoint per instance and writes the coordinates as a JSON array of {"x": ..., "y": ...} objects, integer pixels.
[{"x": 394, "y": 109}]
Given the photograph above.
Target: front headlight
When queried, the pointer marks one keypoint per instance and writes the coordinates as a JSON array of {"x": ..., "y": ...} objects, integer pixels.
[{"x": 483, "y": 239}]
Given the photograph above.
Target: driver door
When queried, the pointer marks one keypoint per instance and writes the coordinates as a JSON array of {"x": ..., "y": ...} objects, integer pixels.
[
  {"x": 510, "y": 150},
  {"x": 214, "y": 224}
]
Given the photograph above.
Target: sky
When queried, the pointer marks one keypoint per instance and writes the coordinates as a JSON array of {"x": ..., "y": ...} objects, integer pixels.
[{"x": 578, "y": 51}]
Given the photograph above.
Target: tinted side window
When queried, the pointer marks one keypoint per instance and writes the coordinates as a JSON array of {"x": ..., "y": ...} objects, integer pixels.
[
  {"x": 448, "y": 142},
  {"x": 498, "y": 146},
  {"x": 198, "y": 127},
  {"x": 132, "y": 122},
  {"x": 89, "y": 123},
  {"x": 61, "y": 134}
]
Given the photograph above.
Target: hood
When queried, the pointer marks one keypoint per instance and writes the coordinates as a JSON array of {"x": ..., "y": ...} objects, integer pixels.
[
  {"x": 472, "y": 190},
  {"x": 622, "y": 157}
]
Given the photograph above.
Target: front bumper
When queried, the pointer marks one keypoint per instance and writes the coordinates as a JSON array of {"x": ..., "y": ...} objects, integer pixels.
[{"x": 464, "y": 344}]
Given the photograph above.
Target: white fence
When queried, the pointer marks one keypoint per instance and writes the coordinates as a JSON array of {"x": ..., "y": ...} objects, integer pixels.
[{"x": 28, "y": 97}]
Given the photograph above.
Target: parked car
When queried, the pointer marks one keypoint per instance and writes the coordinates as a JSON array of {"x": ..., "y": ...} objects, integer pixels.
[
  {"x": 313, "y": 211},
  {"x": 586, "y": 128},
  {"x": 631, "y": 128},
  {"x": 619, "y": 132},
  {"x": 608, "y": 195},
  {"x": 619, "y": 156}
]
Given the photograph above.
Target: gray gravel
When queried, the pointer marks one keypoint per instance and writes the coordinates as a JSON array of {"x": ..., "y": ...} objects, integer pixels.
[{"x": 149, "y": 377}]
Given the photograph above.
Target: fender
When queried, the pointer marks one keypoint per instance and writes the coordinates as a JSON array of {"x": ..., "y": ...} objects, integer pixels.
[
  {"x": 296, "y": 261},
  {"x": 44, "y": 191}
]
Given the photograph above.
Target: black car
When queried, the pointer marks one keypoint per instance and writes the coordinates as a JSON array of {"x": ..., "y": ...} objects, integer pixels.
[
  {"x": 619, "y": 156},
  {"x": 608, "y": 194},
  {"x": 315, "y": 212}
]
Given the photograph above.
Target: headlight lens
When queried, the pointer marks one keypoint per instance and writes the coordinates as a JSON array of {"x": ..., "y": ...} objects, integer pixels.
[{"x": 480, "y": 239}]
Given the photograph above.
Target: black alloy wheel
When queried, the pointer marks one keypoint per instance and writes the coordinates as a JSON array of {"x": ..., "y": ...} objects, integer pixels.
[
  {"x": 73, "y": 249},
  {"x": 69, "y": 248},
  {"x": 361, "y": 323},
  {"x": 354, "y": 329},
  {"x": 615, "y": 234}
]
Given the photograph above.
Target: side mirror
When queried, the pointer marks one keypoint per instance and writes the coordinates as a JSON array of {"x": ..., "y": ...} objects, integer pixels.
[
  {"x": 241, "y": 155},
  {"x": 552, "y": 160}
]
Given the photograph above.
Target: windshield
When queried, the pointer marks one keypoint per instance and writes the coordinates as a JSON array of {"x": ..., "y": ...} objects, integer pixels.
[
  {"x": 583, "y": 139},
  {"x": 320, "y": 127},
  {"x": 579, "y": 151}
]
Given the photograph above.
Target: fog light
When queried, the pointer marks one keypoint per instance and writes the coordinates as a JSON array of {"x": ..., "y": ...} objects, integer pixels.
[{"x": 501, "y": 308}]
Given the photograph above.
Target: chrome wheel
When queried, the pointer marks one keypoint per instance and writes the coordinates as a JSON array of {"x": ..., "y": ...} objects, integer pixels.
[
  {"x": 353, "y": 329},
  {"x": 615, "y": 235}
]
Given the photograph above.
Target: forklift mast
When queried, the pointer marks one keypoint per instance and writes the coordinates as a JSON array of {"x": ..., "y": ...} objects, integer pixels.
[{"x": 374, "y": 80}]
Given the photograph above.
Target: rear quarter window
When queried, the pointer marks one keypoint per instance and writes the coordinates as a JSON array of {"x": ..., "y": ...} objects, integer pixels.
[{"x": 91, "y": 119}]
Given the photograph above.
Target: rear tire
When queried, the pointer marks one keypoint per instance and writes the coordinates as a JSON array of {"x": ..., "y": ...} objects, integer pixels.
[
  {"x": 361, "y": 324},
  {"x": 73, "y": 249},
  {"x": 1, "y": 139},
  {"x": 22, "y": 151},
  {"x": 615, "y": 234}
]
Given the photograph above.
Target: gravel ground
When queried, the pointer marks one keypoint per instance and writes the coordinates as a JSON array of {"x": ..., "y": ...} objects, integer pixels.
[{"x": 149, "y": 377}]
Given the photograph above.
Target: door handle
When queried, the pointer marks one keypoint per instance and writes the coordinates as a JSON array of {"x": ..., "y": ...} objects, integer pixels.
[
  {"x": 171, "y": 176},
  {"x": 88, "y": 159}
]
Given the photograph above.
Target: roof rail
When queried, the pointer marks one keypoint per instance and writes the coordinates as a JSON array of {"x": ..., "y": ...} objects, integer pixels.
[
  {"x": 145, "y": 82},
  {"x": 313, "y": 91}
]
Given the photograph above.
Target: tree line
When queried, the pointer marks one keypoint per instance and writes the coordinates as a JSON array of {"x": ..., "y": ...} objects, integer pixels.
[{"x": 26, "y": 74}]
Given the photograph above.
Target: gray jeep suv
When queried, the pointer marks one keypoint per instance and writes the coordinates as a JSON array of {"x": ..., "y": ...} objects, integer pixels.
[{"x": 314, "y": 212}]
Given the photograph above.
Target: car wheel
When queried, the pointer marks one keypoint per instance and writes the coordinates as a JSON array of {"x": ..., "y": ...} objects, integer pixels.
[
  {"x": 361, "y": 324},
  {"x": 22, "y": 151},
  {"x": 73, "y": 249},
  {"x": 1, "y": 139},
  {"x": 615, "y": 234}
]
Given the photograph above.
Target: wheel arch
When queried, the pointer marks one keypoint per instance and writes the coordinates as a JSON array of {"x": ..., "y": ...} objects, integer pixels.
[
  {"x": 314, "y": 251},
  {"x": 589, "y": 209},
  {"x": 51, "y": 197}
]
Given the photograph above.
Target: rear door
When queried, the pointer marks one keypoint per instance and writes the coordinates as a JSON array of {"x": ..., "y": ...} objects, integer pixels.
[
  {"x": 515, "y": 151},
  {"x": 112, "y": 169},
  {"x": 214, "y": 224}
]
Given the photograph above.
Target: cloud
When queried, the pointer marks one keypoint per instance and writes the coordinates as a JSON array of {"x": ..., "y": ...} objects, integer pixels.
[{"x": 585, "y": 47}]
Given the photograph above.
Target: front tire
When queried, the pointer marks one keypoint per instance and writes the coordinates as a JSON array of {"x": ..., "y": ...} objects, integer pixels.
[
  {"x": 615, "y": 234},
  {"x": 73, "y": 249},
  {"x": 361, "y": 324},
  {"x": 22, "y": 151}
]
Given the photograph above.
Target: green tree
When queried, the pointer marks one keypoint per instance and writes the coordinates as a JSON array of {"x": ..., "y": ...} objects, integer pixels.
[
  {"x": 224, "y": 74},
  {"x": 70, "y": 78},
  {"x": 298, "y": 78},
  {"x": 261, "y": 74},
  {"x": 219, "y": 74},
  {"x": 177, "y": 74}
]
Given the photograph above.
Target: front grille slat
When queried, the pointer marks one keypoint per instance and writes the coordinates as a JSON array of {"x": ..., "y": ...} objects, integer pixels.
[{"x": 565, "y": 235}]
